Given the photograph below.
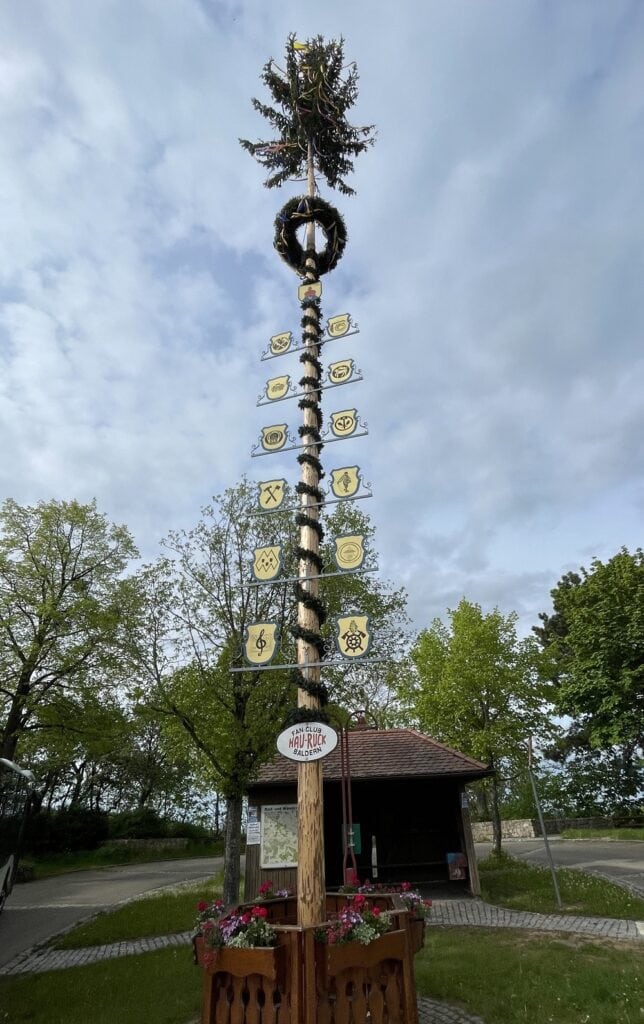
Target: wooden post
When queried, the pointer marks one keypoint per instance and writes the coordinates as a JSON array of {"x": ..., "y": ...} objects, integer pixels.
[{"x": 310, "y": 868}]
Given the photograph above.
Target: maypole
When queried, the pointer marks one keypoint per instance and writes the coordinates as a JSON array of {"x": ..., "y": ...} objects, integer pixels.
[{"x": 311, "y": 96}]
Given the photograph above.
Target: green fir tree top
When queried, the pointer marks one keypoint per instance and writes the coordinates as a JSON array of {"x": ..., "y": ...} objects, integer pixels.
[{"x": 311, "y": 99}]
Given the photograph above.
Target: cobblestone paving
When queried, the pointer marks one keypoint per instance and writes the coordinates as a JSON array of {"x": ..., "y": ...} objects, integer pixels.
[{"x": 476, "y": 913}]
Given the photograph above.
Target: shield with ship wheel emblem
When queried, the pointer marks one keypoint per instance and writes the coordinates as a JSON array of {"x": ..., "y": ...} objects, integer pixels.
[
  {"x": 274, "y": 437},
  {"x": 344, "y": 422},
  {"x": 271, "y": 494},
  {"x": 260, "y": 642},
  {"x": 349, "y": 553},
  {"x": 267, "y": 562},
  {"x": 353, "y": 637}
]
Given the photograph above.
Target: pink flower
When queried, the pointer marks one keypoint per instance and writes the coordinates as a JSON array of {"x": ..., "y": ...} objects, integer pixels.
[
  {"x": 376, "y": 911},
  {"x": 359, "y": 900},
  {"x": 405, "y": 887},
  {"x": 246, "y": 918}
]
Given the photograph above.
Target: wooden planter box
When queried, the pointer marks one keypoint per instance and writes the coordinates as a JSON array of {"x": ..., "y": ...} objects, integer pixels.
[
  {"x": 366, "y": 983},
  {"x": 301, "y": 981}
]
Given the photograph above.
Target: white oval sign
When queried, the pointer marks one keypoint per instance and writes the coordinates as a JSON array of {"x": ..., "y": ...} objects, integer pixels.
[{"x": 307, "y": 741}]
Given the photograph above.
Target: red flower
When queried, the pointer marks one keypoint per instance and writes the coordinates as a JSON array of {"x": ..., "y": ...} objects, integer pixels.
[
  {"x": 359, "y": 900},
  {"x": 246, "y": 918},
  {"x": 259, "y": 912},
  {"x": 376, "y": 911},
  {"x": 202, "y": 905},
  {"x": 265, "y": 888},
  {"x": 405, "y": 886}
]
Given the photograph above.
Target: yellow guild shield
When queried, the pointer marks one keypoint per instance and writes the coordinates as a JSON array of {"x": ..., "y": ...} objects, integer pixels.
[
  {"x": 349, "y": 551},
  {"x": 267, "y": 562},
  {"x": 338, "y": 325},
  {"x": 277, "y": 387},
  {"x": 274, "y": 437},
  {"x": 353, "y": 637},
  {"x": 260, "y": 642},
  {"x": 271, "y": 494},
  {"x": 344, "y": 423},
  {"x": 341, "y": 371},
  {"x": 309, "y": 290},
  {"x": 281, "y": 343},
  {"x": 345, "y": 481}
]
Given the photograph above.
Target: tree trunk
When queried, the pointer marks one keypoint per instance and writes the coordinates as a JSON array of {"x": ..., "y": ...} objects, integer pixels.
[
  {"x": 496, "y": 815},
  {"x": 232, "y": 850}
]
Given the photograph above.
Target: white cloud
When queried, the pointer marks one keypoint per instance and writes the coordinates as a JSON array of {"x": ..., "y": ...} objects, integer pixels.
[{"x": 494, "y": 265}]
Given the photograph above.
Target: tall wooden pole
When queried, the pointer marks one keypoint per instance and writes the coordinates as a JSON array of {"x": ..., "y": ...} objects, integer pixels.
[{"x": 311, "y": 907}]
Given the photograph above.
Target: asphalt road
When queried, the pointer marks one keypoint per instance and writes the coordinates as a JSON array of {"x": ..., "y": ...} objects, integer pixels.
[
  {"x": 38, "y": 910},
  {"x": 620, "y": 862}
]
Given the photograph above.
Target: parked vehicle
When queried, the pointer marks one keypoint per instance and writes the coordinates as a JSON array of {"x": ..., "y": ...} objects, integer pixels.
[{"x": 16, "y": 786}]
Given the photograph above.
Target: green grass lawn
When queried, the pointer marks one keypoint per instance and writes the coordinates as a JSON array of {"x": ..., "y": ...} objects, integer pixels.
[
  {"x": 512, "y": 883},
  {"x": 508, "y": 977},
  {"x": 163, "y": 913},
  {"x": 603, "y": 833},
  {"x": 163, "y": 987}
]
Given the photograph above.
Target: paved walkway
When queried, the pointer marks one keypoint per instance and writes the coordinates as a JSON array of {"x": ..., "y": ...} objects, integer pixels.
[{"x": 468, "y": 913}]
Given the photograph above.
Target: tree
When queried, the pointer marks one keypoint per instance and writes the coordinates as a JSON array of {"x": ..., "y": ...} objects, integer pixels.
[
  {"x": 312, "y": 96},
  {"x": 64, "y": 608},
  {"x": 198, "y": 604},
  {"x": 478, "y": 689},
  {"x": 594, "y": 645}
]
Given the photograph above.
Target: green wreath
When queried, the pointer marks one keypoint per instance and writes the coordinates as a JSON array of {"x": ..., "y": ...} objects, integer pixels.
[{"x": 302, "y": 210}]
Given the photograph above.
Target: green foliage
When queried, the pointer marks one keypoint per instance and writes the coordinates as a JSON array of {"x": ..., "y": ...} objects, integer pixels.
[
  {"x": 70, "y": 829},
  {"x": 477, "y": 686},
  {"x": 478, "y": 689},
  {"x": 594, "y": 652},
  {"x": 311, "y": 98},
  {"x": 64, "y": 609}
]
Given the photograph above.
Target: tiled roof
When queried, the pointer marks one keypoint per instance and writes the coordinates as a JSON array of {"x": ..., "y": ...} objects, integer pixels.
[{"x": 383, "y": 754}]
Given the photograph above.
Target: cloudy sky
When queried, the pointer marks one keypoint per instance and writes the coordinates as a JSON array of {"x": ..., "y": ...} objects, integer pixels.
[{"x": 494, "y": 266}]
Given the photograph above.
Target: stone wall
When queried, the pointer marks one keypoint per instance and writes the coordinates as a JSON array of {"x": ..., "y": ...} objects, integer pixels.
[{"x": 528, "y": 828}]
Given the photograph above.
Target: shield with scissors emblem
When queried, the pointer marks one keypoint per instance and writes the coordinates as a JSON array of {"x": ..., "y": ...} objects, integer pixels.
[
  {"x": 280, "y": 343},
  {"x": 260, "y": 642},
  {"x": 267, "y": 562},
  {"x": 277, "y": 387},
  {"x": 338, "y": 325},
  {"x": 341, "y": 371},
  {"x": 271, "y": 494},
  {"x": 349, "y": 551},
  {"x": 344, "y": 422},
  {"x": 274, "y": 437},
  {"x": 353, "y": 638},
  {"x": 345, "y": 481}
]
